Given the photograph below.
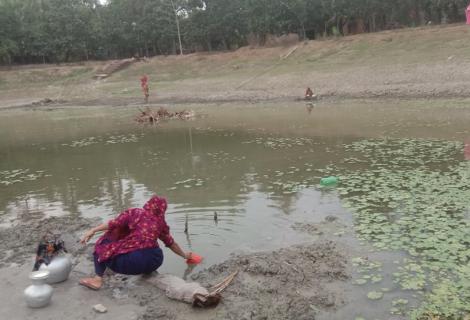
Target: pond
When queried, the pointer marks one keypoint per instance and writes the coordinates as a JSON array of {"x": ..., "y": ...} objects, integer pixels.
[{"x": 240, "y": 177}]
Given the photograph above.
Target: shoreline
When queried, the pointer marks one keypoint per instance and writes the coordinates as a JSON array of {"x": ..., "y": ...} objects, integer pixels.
[
  {"x": 300, "y": 281},
  {"x": 134, "y": 102}
]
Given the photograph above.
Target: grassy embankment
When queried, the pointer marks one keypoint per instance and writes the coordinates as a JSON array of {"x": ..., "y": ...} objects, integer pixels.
[{"x": 408, "y": 62}]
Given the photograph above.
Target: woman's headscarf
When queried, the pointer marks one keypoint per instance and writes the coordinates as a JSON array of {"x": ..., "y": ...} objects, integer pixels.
[{"x": 156, "y": 205}]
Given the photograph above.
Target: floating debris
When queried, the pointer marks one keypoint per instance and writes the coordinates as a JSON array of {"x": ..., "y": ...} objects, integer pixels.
[
  {"x": 329, "y": 181},
  {"x": 154, "y": 117}
]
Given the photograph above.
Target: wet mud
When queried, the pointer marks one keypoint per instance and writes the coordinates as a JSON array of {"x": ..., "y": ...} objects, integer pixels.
[
  {"x": 291, "y": 283},
  {"x": 18, "y": 243}
]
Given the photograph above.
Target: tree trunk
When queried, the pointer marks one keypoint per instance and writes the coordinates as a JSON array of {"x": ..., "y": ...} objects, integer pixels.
[
  {"x": 345, "y": 27},
  {"x": 444, "y": 18},
  {"x": 303, "y": 33},
  {"x": 224, "y": 44},
  {"x": 373, "y": 23}
]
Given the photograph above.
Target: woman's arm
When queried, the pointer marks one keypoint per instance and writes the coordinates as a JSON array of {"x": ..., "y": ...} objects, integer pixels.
[
  {"x": 90, "y": 233},
  {"x": 120, "y": 221},
  {"x": 176, "y": 249}
]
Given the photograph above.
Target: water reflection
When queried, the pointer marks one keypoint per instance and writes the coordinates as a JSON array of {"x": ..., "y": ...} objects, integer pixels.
[{"x": 200, "y": 172}]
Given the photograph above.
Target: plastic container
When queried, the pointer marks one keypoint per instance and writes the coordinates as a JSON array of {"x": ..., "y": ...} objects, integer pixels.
[
  {"x": 329, "y": 181},
  {"x": 195, "y": 259}
]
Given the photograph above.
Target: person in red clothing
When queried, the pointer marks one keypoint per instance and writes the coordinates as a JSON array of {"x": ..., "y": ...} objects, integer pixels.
[
  {"x": 145, "y": 87},
  {"x": 129, "y": 245}
]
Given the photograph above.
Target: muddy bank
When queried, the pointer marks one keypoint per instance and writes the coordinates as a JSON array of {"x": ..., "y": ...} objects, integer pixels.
[
  {"x": 18, "y": 243},
  {"x": 251, "y": 97},
  {"x": 291, "y": 283}
]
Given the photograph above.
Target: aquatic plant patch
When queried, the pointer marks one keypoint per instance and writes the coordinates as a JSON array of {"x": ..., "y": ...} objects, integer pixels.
[
  {"x": 9, "y": 177},
  {"x": 223, "y": 157},
  {"x": 414, "y": 196},
  {"x": 108, "y": 140},
  {"x": 276, "y": 143},
  {"x": 188, "y": 183}
]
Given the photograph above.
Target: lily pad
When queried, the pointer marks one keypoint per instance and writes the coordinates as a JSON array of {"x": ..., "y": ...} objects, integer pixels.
[{"x": 375, "y": 295}]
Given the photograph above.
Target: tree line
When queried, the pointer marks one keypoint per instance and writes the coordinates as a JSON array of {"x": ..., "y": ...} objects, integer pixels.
[{"x": 50, "y": 31}]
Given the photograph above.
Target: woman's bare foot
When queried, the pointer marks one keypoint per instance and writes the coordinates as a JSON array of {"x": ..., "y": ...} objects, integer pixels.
[{"x": 94, "y": 283}]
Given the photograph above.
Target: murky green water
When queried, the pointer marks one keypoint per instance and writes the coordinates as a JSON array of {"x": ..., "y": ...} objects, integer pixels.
[{"x": 257, "y": 167}]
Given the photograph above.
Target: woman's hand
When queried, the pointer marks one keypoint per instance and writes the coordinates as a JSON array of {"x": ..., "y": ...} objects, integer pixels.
[
  {"x": 188, "y": 255},
  {"x": 90, "y": 233},
  {"x": 87, "y": 236}
]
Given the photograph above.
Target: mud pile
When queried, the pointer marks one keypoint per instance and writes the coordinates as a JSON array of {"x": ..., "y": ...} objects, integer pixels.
[{"x": 291, "y": 283}]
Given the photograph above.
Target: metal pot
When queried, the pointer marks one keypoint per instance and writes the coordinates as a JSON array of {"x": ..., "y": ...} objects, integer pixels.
[
  {"x": 59, "y": 269},
  {"x": 38, "y": 294}
]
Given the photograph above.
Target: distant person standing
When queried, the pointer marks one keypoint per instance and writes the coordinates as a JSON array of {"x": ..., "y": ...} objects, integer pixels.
[{"x": 145, "y": 87}]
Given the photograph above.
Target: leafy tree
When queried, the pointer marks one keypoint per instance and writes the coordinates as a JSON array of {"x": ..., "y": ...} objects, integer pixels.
[{"x": 33, "y": 31}]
